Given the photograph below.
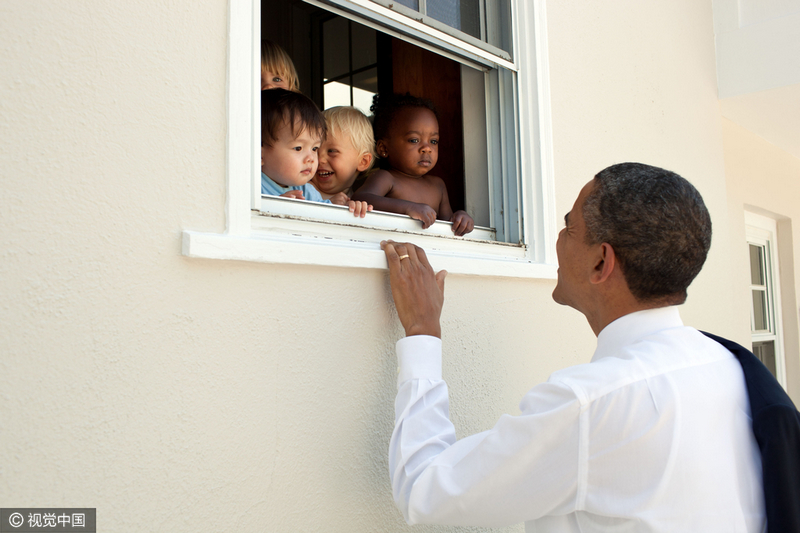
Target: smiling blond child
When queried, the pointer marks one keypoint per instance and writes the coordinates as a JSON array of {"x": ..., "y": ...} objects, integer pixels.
[{"x": 346, "y": 154}]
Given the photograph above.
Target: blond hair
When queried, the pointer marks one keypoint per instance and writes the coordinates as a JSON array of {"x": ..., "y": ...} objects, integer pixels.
[
  {"x": 355, "y": 124},
  {"x": 276, "y": 60}
]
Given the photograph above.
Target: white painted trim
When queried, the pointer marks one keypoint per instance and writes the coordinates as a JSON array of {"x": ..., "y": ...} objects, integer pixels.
[
  {"x": 323, "y": 251},
  {"x": 242, "y": 37},
  {"x": 536, "y": 131},
  {"x": 255, "y": 127},
  {"x": 420, "y": 31},
  {"x": 339, "y": 214},
  {"x": 761, "y": 229}
]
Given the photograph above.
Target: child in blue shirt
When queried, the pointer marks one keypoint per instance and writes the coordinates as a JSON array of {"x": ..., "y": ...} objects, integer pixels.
[{"x": 292, "y": 129}]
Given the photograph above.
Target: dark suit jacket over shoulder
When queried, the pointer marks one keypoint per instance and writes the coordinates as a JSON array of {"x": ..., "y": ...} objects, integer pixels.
[{"x": 776, "y": 425}]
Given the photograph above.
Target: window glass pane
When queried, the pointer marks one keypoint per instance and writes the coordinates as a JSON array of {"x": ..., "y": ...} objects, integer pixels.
[
  {"x": 365, "y": 86},
  {"x": 471, "y": 17},
  {"x": 365, "y": 51},
  {"x": 335, "y": 49},
  {"x": 486, "y": 20},
  {"x": 462, "y": 15},
  {"x": 759, "y": 310},
  {"x": 765, "y": 351},
  {"x": 336, "y": 93},
  {"x": 498, "y": 24},
  {"x": 756, "y": 265},
  {"x": 447, "y": 11},
  {"x": 413, "y": 4}
]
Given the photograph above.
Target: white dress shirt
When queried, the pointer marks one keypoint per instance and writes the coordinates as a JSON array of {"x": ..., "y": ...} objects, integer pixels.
[{"x": 652, "y": 435}]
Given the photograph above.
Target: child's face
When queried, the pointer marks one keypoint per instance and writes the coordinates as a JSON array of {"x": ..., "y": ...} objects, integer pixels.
[
  {"x": 412, "y": 146},
  {"x": 290, "y": 161},
  {"x": 339, "y": 163},
  {"x": 270, "y": 80}
]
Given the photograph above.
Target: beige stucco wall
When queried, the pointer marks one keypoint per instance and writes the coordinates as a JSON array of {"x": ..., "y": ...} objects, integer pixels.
[
  {"x": 178, "y": 394},
  {"x": 765, "y": 180}
]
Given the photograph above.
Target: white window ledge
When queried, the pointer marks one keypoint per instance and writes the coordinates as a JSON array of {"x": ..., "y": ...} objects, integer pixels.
[
  {"x": 341, "y": 215},
  {"x": 342, "y": 240}
]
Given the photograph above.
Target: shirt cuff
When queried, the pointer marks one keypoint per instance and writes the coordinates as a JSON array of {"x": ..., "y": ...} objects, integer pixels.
[{"x": 419, "y": 357}]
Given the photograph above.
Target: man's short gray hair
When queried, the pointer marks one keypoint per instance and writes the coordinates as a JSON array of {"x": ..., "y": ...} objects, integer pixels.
[{"x": 657, "y": 224}]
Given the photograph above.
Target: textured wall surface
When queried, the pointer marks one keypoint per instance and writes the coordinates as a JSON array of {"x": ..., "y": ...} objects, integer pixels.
[
  {"x": 764, "y": 179},
  {"x": 178, "y": 394}
]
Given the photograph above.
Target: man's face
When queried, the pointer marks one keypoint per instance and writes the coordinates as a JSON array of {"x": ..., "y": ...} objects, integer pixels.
[
  {"x": 290, "y": 160},
  {"x": 575, "y": 257}
]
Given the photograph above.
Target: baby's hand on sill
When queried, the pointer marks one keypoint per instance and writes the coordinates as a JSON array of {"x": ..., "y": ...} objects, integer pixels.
[
  {"x": 294, "y": 194},
  {"x": 359, "y": 209},
  {"x": 422, "y": 212},
  {"x": 340, "y": 198},
  {"x": 462, "y": 223}
]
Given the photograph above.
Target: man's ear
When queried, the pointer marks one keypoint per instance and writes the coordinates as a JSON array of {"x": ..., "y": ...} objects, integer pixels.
[
  {"x": 605, "y": 264},
  {"x": 364, "y": 162}
]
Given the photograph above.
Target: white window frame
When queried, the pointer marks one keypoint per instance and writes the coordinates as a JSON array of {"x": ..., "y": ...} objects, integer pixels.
[
  {"x": 762, "y": 231},
  {"x": 342, "y": 241},
  {"x": 417, "y": 14}
]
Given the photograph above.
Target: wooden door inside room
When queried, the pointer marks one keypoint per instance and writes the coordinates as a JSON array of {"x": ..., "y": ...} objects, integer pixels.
[{"x": 437, "y": 78}]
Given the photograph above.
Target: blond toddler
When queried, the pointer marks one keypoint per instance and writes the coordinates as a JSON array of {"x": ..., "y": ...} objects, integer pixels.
[
  {"x": 277, "y": 69},
  {"x": 346, "y": 154}
]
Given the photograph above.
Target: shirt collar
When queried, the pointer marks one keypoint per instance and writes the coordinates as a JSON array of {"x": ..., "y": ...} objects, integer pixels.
[
  {"x": 635, "y": 326},
  {"x": 275, "y": 183}
]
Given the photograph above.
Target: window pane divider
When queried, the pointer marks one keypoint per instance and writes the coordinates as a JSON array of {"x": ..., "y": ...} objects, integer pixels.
[{"x": 422, "y": 35}]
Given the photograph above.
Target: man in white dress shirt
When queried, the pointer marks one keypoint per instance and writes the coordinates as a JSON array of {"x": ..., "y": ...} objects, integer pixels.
[{"x": 652, "y": 435}]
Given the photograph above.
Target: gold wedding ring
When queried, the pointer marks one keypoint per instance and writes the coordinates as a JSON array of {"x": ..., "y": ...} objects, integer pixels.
[{"x": 403, "y": 257}]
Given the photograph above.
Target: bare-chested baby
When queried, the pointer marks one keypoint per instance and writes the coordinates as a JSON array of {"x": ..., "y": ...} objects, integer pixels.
[{"x": 407, "y": 138}]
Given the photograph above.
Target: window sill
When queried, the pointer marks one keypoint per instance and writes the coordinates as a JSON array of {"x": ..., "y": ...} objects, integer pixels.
[
  {"x": 291, "y": 208},
  {"x": 291, "y": 236}
]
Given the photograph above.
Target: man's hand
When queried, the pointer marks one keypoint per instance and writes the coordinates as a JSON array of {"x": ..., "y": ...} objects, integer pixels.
[{"x": 418, "y": 293}]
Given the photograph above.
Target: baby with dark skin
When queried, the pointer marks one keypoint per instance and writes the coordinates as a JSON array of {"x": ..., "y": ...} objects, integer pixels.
[{"x": 407, "y": 138}]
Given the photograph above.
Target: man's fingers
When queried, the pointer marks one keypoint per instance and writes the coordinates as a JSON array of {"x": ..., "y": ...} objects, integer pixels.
[
  {"x": 412, "y": 250},
  {"x": 422, "y": 257},
  {"x": 403, "y": 252},
  {"x": 392, "y": 257},
  {"x": 440, "y": 279},
  {"x": 416, "y": 290}
]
